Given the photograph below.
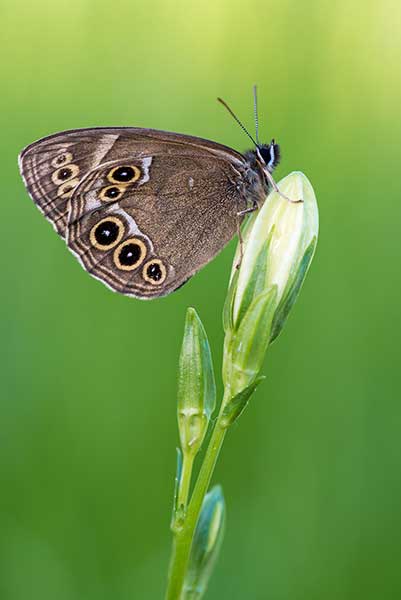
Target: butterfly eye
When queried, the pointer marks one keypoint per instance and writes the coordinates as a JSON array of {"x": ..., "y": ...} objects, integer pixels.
[
  {"x": 65, "y": 173},
  {"x": 61, "y": 160},
  {"x": 124, "y": 174},
  {"x": 110, "y": 193},
  {"x": 130, "y": 254},
  {"x": 107, "y": 233},
  {"x": 154, "y": 272}
]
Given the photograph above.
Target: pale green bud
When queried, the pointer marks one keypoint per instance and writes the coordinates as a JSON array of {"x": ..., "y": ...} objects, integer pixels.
[
  {"x": 206, "y": 544},
  {"x": 196, "y": 385},
  {"x": 290, "y": 229},
  {"x": 279, "y": 242}
]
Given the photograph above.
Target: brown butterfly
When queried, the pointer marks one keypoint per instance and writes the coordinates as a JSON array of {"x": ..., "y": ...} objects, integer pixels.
[{"x": 141, "y": 209}]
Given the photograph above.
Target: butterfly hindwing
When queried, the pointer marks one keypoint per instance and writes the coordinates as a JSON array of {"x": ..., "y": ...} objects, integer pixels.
[
  {"x": 104, "y": 236},
  {"x": 178, "y": 214},
  {"x": 143, "y": 210}
]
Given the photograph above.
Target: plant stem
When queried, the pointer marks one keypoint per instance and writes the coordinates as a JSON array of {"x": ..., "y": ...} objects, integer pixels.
[
  {"x": 183, "y": 537},
  {"x": 185, "y": 483}
]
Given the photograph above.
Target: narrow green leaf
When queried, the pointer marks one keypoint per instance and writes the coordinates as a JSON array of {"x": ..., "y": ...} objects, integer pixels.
[
  {"x": 206, "y": 544},
  {"x": 196, "y": 384},
  {"x": 250, "y": 342},
  {"x": 229, "y": 302},
  {"x": 290, "y": 296},
  {"x": 256, "y": 281},
  {"x": 236, "y": 406}
]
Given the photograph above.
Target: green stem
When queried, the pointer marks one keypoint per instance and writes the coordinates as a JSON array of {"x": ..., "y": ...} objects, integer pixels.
[
  {"x": 185, "y": 483},
  {"x": 183, "y": 537}
]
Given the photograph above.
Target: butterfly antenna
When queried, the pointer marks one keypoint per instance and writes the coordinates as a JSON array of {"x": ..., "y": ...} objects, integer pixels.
[
  {"x": 244, "y": 129},
  {"x": 255, "y": 112}
]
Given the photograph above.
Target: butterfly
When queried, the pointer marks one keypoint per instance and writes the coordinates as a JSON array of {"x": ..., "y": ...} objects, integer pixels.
[{"x": 143, "y": 210}]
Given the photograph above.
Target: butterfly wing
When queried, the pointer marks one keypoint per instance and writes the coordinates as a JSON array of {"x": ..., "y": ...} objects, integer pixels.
[
  {"x": 53, "y": 167},
  {"x": 147, "y": 209}
]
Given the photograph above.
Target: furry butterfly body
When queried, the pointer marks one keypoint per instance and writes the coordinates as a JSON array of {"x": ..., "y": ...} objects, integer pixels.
[{"x": 143, "y": 209}]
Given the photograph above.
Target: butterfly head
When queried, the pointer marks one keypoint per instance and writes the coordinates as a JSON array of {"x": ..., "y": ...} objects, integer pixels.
[
  {"x": 268, "y": 155},
  {"x": 264, "y": 156}
]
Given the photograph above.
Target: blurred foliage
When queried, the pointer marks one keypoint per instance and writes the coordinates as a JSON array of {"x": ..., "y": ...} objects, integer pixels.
[{"x": 88, "y": 378}]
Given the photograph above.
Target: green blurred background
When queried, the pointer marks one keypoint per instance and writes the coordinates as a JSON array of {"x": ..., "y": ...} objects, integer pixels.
[{"x": 311, "y": 473}]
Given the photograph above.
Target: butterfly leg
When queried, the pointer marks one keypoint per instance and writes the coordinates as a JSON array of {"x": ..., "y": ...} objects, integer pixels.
[
  {"x": 240, "y": 214},
  {"x": 276, "y": 189},
  {"x": 248, "y": 210},
  {"x": 241, "y": 243}
]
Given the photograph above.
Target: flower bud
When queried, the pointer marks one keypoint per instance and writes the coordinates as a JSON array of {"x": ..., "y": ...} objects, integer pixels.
[
  {"x": 290, "y": 228},
  {"x": 206, "y": 544},
  {"x": 279, "y": 243},
  {"x": 196, "y": 385}
]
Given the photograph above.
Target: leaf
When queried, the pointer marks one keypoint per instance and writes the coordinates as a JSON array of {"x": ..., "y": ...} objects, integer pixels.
[
  {"x": 229, "y": 302},
  {"x": 236, "y": 406},
  {"x": 249, "y": 345},
  {"x": 256, "y": 280},
  {"x": 290, "y": 296}
]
